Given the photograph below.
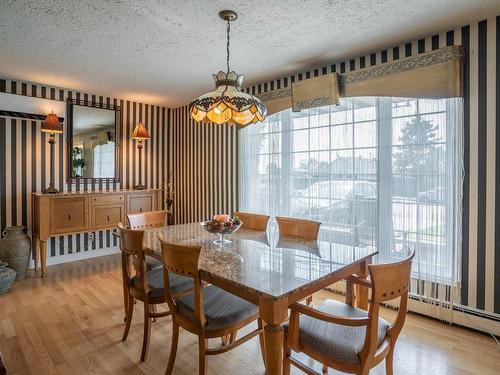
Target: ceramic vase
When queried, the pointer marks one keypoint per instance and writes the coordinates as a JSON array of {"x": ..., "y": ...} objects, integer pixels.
[{"x": 15, "y": 249}]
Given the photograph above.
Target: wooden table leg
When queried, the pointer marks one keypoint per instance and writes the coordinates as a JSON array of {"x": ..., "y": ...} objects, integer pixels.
[
  {"x": 43, "y": 257},
  {"x": 361, "y": 292},
  {"x": 36, "y": 248},
  {"x": 274, "y": 314},
  {"x": 273, "y": 334}
]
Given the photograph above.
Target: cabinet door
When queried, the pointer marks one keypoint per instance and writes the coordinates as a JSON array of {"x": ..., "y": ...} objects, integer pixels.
[
  {"x": 68, "y": 215},
  {"x": 140, "y": 203},
  {"x": 105, "y": 216}
]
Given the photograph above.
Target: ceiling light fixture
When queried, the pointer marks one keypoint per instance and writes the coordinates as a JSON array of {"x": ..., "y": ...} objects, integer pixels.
[{"x": 227, "y": 103}]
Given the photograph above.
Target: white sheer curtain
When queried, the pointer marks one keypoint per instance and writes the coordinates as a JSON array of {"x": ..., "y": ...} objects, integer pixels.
[{"x": 375, "y": 171}]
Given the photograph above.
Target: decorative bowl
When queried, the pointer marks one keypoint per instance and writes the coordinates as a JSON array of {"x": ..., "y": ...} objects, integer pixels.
[{"x": 222, "y": 227}]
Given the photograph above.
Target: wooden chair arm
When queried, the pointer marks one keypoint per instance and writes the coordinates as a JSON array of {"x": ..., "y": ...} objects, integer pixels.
[
  {"x": 360, "y": 281},
  {"x": 321, "y": 315}
]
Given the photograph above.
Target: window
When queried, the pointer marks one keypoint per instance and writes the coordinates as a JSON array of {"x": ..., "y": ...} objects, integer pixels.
[
  {"x": 104, "y": 160},
  {"x": 375, "y": 171}
]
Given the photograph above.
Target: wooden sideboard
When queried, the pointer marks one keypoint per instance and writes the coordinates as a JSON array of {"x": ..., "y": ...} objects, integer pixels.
[{"x": 78, "y": 212}]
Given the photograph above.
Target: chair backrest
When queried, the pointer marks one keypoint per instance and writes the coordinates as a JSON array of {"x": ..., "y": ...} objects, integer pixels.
[
  {"x": 133, "y": 257},
  {"x": 300, "y": 228},
  {"x": 143, "y": 220},
  {"x": 389, "y": 281},
  {"x": 252, "y": 221},
  {"x": 184, "y": 261}
]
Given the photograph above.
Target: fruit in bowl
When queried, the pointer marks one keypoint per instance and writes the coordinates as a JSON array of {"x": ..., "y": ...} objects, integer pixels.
[{"x": 222, "y": 225}]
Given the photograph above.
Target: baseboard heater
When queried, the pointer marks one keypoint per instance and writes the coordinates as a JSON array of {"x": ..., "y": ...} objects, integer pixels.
[{"x": 460, "y": 315}]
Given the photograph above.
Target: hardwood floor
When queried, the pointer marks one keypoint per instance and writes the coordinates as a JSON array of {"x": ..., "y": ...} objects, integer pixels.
[{"x": 72, "y": 323}]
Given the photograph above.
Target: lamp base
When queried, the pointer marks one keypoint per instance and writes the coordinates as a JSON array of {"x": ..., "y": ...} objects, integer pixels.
[
  {"x": 139, "y": 186},
  {"x": 50, "y": 190}
]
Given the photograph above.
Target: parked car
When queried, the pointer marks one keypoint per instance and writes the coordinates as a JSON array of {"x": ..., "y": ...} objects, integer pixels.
[
  {"x": 436, "y": 195},
  {"x": 338, "y": 202}
]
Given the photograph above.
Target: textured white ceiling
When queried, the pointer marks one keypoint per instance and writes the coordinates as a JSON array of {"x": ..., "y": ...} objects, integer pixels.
[{"x": 164, "y": 52}]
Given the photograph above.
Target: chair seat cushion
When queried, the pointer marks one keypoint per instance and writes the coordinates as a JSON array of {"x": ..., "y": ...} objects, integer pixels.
[
  {"x": 152, "y": 263},
  {"x": 338, "y": 342},
  {"x": 222, "y": 309},
  {"x": 178, "y": 283}
]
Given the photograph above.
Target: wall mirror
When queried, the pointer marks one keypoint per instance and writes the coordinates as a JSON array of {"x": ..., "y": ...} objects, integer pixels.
[{"x": 93, "y": 141}]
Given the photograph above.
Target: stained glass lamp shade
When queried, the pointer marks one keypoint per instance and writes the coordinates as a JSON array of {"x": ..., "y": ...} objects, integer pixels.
[{"x": 227, "y": 104}]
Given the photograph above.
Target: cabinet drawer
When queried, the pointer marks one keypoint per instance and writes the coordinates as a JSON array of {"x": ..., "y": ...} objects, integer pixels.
[
  {"x": 140, "y": 203},
  {"x": 68, "y": 215},
  {"x": 106, "y": 216},
  {"x": 107, "y": 198}
]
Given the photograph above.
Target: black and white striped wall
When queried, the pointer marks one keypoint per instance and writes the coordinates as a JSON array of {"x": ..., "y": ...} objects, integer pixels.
[
  {"x": 204, "y": 161},
  {"x": 24, "y": 161},
  {"x": 200, "y": 175}
]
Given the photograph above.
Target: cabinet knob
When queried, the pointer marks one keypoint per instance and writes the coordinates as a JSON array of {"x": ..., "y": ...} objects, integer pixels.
[
  {"x": 108, "y": 217},
  {"x": 69, "y": 217}
]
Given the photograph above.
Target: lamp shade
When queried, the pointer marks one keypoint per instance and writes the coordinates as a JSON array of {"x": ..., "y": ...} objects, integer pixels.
[
  {"x": 227, "y": 103},
  {"x": 52, "y": 124},
  {"x": 140, "y": 132}
]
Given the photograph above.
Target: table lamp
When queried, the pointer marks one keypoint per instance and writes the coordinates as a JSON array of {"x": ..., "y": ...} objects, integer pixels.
[
  {"x": 140, "y": 133},
  {"x": 52, "y": 126}
]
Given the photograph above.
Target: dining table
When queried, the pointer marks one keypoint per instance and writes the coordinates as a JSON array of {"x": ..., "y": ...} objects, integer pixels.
[{"x": 269, "y": 270}]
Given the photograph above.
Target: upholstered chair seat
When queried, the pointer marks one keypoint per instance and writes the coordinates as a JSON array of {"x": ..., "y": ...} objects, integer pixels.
[
  {"x": 338, "y": 342},
  {"x": 178, "y": 283},
  {"x": 222, "y": 309},
  {"x": 152, "y": 263}
]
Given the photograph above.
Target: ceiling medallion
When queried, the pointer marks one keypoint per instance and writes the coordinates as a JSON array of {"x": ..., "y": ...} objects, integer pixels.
[{"x": 227, "y": 103}]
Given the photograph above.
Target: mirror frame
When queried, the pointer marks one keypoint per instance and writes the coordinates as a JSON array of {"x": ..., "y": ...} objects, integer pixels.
[{"x": 70, "y": 103}]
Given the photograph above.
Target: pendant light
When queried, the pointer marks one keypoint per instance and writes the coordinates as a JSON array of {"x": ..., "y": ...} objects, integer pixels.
[{"x": 227, "y": 103}]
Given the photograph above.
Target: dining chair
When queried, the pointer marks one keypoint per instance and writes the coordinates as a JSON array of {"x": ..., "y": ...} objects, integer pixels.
[
  {"x": 144, "y": 220},
  {"x": 252, "y": 221},
  {"x": 3, "y": 370},
  {"x": 209, "y": 312},
  {"x": 345, "y": 338},
  {"x": 299, "y": 228},
  {"x": 143, "y": 285}
]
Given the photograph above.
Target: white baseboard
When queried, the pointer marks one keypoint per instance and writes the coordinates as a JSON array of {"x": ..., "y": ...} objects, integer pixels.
[{"x": 51, "y": 261}]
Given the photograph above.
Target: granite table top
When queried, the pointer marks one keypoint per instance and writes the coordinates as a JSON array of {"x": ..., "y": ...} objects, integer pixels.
[{"x": 261, "y": 262}]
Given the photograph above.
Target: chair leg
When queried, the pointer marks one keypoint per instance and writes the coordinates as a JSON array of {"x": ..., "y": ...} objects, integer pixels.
[
  {"x": 225, "y": 339},
  {"x": 128, "y": 317},
  {"x": 389, "y": 362},
  {"x": 173, "y": 348},
  {"x": 153, "y": 310},
  {"x": 260, "y": 325},
  {"x": 147, "y": 333},
  {"x": 286, "y": 357},
  {"x": 126, "y": 297},
  {"x": 202, "y": 358}
]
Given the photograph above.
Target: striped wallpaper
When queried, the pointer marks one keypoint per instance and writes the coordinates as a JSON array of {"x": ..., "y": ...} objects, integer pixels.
[
  {"x": 204, "y": 160},
  {"x": 205, "y": 188},
  {"x": 24, "y": 161}
]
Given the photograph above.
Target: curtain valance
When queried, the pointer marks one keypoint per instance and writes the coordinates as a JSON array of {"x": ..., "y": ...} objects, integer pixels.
[
  {"x": 434, "y": 74},
  {"x": 315, "y": 92}
]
